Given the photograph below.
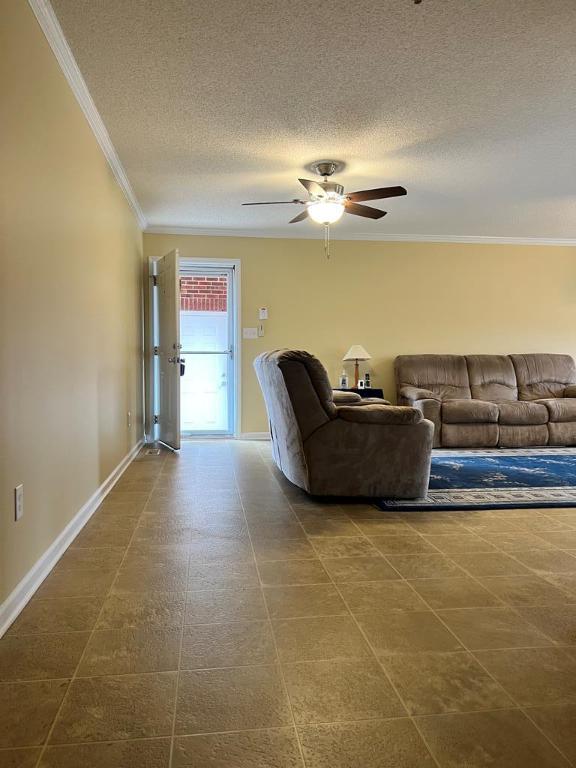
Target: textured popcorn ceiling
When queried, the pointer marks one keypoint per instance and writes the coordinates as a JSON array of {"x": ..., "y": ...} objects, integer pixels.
[{"x": 470, "y": 104}]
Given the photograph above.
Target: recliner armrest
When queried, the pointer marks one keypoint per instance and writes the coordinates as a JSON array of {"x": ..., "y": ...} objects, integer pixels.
[
  {"x": 570, "y": 391},
  {"x": 342, "y": 397},
  {"x": 415, "y": 393},
  {"x": 379, "y": 414}
]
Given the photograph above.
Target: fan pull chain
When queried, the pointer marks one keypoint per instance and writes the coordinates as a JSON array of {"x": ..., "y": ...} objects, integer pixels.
[{"x": 327, "y": 240}]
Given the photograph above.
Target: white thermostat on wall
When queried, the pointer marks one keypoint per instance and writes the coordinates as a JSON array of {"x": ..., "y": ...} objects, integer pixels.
[{"x": 263, "y": 313}]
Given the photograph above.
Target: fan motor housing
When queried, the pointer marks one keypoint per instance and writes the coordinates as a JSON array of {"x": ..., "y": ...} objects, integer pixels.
[{"x": 332, "y": 188}]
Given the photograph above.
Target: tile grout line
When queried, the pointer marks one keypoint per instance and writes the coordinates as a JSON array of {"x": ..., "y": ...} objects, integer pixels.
[
  {"x": 379, "y": 665},
  {"x": 45, "y": 745},
  {"x": 271, "y": 626},
  {"x": 177, "y": 687},
  {"x": 529, "y": 571},
  {"x": 462, "y": 650},
  {"x": 388, "y": 718},
  {"x": 434, "y": 612},
  {"x": 503, "y": 604},
  {"x": 465, "y": 650},
  {"x": 518, "y": 707},
  {"x": 477, "y": 660}
]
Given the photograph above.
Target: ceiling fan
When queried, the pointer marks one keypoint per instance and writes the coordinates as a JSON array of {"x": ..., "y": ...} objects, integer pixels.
[{"x": 328, "y": 201}]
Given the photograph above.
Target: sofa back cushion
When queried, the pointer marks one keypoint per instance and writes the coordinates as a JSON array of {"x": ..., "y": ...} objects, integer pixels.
[
  {"x": 445, "y": 375},
  {"x": 492, "y": 377},
  {"x": 540, "y": 376}
]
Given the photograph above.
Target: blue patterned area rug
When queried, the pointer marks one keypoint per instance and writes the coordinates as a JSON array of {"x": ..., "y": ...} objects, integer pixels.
[{"x": 496, "y": 479}]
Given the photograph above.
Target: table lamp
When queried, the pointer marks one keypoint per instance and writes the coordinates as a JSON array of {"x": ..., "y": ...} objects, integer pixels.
[{"x": 356, "y": 353}]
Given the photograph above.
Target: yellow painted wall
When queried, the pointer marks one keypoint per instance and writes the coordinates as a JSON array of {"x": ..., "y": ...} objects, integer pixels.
[
  {"x": 70, "y": 302},
  {"x": 393, "y": 298}
]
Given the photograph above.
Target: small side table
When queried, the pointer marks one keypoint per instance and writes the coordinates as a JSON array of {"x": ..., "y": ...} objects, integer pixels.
[{"x": 371, "y": 392}]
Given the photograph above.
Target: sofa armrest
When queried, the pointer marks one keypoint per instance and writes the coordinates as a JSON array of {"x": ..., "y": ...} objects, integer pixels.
[
  {"x": 570, "y": 391},
  {"x": 415, "y": 393},
  {"x": 379, "y": 414},
  {"x": 342, "y": 397}
]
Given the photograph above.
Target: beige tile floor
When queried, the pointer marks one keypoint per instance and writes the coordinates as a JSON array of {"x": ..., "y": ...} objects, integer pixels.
[{"x": 210, "y": 615}]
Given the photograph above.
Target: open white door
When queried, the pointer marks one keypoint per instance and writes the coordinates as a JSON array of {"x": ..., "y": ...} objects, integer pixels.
[{"x": 168, "y": 349}]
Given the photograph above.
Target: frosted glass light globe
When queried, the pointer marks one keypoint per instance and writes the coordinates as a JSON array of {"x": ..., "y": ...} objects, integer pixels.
[{"x": 326, "y": 211}]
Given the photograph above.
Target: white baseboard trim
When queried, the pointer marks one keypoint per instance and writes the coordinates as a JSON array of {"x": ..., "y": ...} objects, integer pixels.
[
  {"x": 21, "y": 595},
  {"x": 253, "y": 436}
]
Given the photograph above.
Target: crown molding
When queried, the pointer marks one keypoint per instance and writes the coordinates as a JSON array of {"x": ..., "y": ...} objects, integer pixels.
[
  {"x": 374, "y": 236},
  {"x": 55, "y": 37}
]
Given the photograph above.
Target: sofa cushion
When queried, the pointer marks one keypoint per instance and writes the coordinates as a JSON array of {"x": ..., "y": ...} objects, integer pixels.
[
  {"x": 492, "y": 377},
  {"x": 562, "y": 433},
  {"x": 444, "y": 375},
  {"x": 470, "y": 435},
  {"x": 560, "y": 409},
  {"x": 522, "y": 412},
  {"x": 469, "y": 412},
  {"x": 541, "y": 376},
  {"x": 522, "y": 435}
]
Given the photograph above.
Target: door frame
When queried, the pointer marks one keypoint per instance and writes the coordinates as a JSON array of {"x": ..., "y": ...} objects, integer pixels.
[{"x": 235, "y": 265}]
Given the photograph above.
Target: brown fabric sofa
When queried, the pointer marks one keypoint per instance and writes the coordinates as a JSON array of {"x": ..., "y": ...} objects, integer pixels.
[
  {"x": 507, "y": 401},
  {"x": 361, "y": 449}
]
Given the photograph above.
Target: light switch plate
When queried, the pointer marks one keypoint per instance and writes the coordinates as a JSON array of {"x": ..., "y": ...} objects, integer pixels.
[
  {"x": 263, "y": 313},
  {"x": 250, "y": 333}
]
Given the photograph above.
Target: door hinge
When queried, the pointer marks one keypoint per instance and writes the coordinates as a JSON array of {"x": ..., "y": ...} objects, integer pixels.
[
  {"x": 156, "y": 419},
  {"x": 156, "y": 350}
]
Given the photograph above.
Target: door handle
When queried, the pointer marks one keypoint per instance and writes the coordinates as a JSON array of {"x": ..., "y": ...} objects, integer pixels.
[{"x": 182, "y": 366}]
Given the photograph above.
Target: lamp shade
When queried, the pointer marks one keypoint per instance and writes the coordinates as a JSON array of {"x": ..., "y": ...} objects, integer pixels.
[{"x": 356, "y": 352}]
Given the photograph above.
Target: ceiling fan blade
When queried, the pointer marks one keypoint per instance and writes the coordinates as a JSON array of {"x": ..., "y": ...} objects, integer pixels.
[
  {"x": 313, "y": 187},
  {"x": 363, "y": 210},
  {"x": 278, "y": 202},
  {"x": 376, "y": 194},
  {"x": 300, "y": 217}
]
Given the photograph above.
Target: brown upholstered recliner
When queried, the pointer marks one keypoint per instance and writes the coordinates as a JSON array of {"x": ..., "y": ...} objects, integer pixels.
[
  {"x": 372, "y": 450},
  {"x": 506, "y": 401}
]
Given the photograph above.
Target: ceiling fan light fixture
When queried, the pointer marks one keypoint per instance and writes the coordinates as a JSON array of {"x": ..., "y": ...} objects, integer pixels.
[{"x": 326, "y": 211}]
